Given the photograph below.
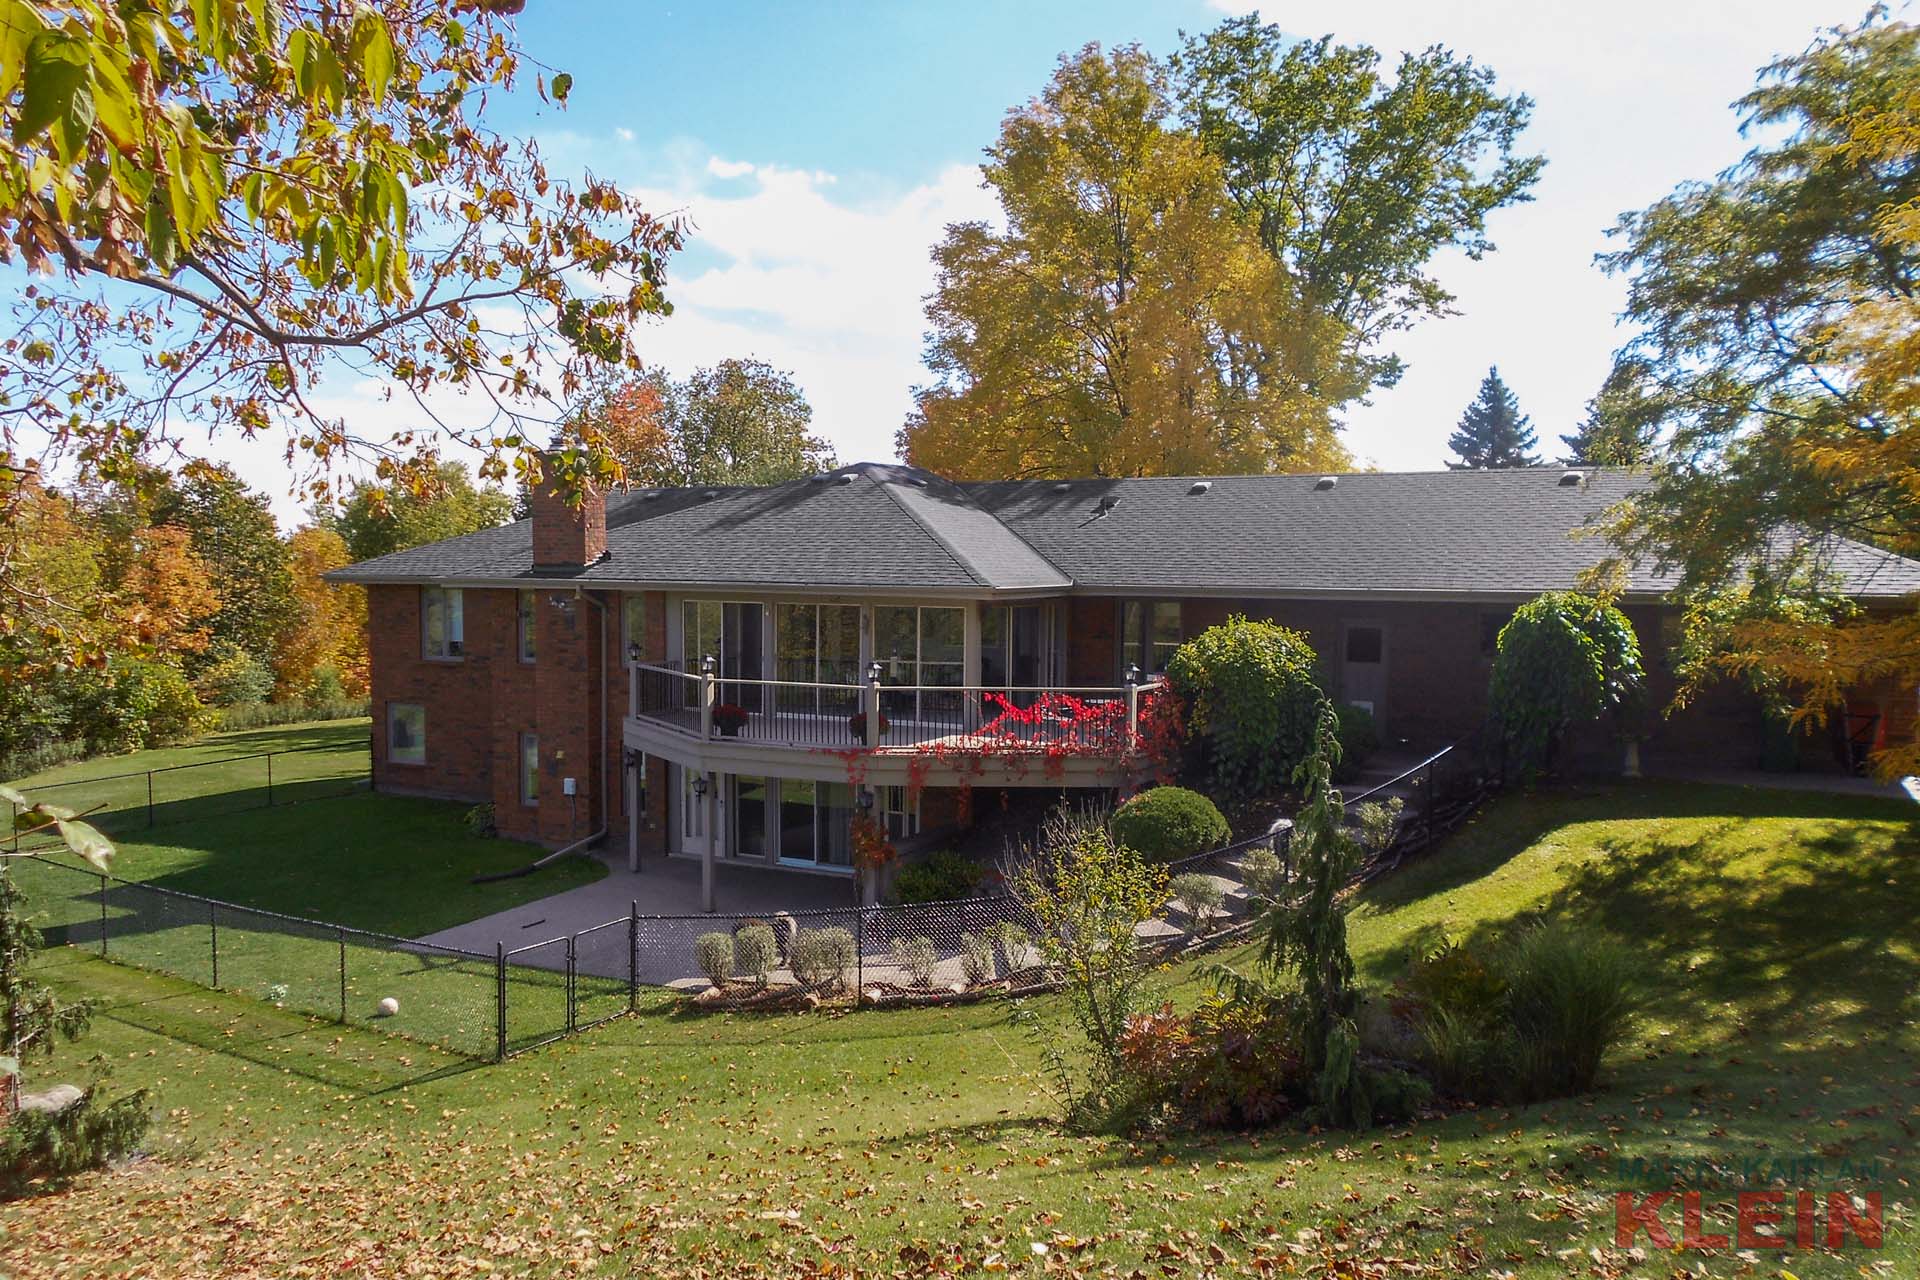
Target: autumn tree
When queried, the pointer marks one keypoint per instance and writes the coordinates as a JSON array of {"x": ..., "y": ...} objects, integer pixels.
[
  {"x": 1778, "y": 330},
  {"x": 375, "y": 519},
  {"x": 328, "y": 629},
  {"x": 227, "y": 204},
  {"x": 1493, "y": 432},
  {"x": 1355, "y": 178},
  {"x": 1128, "y": 320},
  {"x": 737, "y": 422}
]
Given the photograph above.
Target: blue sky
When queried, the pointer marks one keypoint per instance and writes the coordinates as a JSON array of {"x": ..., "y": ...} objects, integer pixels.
[{"x": 820, "y": 148}]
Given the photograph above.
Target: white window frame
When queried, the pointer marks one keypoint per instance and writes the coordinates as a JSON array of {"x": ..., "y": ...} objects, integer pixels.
[
  {"x": 526, "y": 608},
  {"x": 530, "y": 770},
  {"x": 417, "y": 755},
  {"x": 451, "y": 604}
]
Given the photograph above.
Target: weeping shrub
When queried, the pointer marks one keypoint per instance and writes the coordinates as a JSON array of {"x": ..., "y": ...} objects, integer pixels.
[
  {"x": 1165, "y": 824},
  {"x": 1252, "y": 702},
  {"x": 40, "y": 1147},
  {"x": 1564, "y": 659}
]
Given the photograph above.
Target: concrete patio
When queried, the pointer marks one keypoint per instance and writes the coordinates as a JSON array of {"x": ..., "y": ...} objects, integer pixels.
[{"x": 663, "y": 887}]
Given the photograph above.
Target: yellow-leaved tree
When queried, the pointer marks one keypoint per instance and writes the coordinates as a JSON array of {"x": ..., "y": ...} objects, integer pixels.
[{"x": 1128, "y": 320}]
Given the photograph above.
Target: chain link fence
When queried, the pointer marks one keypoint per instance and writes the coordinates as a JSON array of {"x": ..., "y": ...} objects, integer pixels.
[
  {"x": 122, "y": 804},
  {"x": 490, "y": 1006}
]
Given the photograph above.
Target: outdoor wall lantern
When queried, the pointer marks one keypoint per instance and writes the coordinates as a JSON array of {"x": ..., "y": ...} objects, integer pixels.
[
  {"x": 873, "y": 672},
  {"x": 1133, "y": 673},
  {"x": 700, "y": 786},
  {"x": 866, "y": 799},
  {"x": 707, "y": 664},
  {"x": 633, "y": 654}
]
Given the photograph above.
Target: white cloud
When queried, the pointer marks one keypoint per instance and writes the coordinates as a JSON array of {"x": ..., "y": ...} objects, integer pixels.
[{"x": 717, "y": 167}]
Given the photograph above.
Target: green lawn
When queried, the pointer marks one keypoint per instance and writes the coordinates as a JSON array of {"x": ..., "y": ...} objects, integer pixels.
[
  {"x": 384, "y": 864},
  {"x": 1779, "y": 927},
  {"x": 219, "y": 774}
]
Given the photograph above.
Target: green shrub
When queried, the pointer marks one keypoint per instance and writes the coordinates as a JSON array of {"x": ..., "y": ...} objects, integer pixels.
[
  {"x": 1261, "y": 871},
  {"x": 38, "y": 1147},
  {"x": 1377, "y": 823},
  {"x": 714, "y": 954},
  {"x": 1251, "y": 700},
  {"x": 1359, "y": 739},
  {"x": 917, "y": 957},
  {"x": 1464, "y": 1055},
  {"x": 1458, "y": 981},
  {"x": 261, "y": 715},
  {"x": 941, "y": 876},
  {"x": 756, "y": 951},
  {"x": 479, "y": 821},
  {"x": 1016, "y": 947},
  {"x": 146, "y": 704},
  {"x": 234, "y": 677},
  {"x": 1168, "y": 823},
  {"x": 1571, "y": 996},
  {"x": 976, "y": 959},
  {"x": 822, "y": 956},
  {"x": 1564, "y": 659},
  {"x": 1200, "y": 896}
]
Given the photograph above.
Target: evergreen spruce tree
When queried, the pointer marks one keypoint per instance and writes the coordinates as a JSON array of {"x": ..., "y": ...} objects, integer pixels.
[
  {"x": 1493, "y": 432},
  {"x": 1622, "y": 421}
]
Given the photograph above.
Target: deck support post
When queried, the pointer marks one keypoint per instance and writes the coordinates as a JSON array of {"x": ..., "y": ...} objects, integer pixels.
[{"x": 712, "y": 802}]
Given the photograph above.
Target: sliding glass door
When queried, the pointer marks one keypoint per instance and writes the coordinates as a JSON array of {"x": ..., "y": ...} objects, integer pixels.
[
  {"x": 816, "y": 823},
  {"x": 730, "y": 632},
  {"x": 924, "y": 647},
  {"x": 817, "y": 644}
]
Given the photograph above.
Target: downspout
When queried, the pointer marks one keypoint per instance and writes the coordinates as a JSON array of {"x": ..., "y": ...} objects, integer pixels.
[{"x": 606, "y": 764}]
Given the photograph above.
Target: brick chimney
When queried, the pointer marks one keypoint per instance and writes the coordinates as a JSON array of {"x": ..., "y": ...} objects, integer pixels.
[{"x": 566, "y": 537}]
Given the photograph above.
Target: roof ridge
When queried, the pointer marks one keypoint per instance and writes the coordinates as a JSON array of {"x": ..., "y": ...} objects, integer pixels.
[{"x": 940, "y": 540}]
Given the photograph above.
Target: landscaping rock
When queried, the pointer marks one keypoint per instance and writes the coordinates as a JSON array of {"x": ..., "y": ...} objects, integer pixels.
[{"x": 54, "y": 1100}]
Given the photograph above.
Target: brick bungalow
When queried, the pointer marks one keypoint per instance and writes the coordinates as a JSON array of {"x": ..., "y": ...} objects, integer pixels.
[{"x": 581, "y": 668}]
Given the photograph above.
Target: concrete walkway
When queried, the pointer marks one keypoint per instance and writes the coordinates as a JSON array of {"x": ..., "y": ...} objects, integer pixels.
[
  {"x": 663, "y": 887},
  {"x": 1841, "y": 784}
]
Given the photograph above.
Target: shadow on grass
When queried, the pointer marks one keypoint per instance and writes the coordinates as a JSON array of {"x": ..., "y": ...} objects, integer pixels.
[{"x": 337, "y": 735}]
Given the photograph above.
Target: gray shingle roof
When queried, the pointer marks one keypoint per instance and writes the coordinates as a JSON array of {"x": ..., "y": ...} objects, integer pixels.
[{"x": 893, "y": 528}]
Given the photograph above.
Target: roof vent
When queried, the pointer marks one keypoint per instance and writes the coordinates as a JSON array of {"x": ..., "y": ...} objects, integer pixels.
[
  {"x": 1326, "y": 482},
  {"x": 1105, "y": 505},
  {"x": 918, "y": 482},
  {"x": 711, "y": 493},
  {"x": 1568, "y": 479},
  {"x": 821, "y": 478},
  {"x": 846, "y": 477},
  {"x": 1062, "y": 487},
  {"x": 1200, "y": 486}
]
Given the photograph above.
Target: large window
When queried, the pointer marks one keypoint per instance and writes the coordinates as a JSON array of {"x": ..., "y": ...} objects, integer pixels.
[
  {"x": 899, "y": 812},
  {"x": 529, "y": 769},
  {"x": 1149, "y": 633},
  {"x": 924, "y": 647},
  {"x": 633, "y": 625},
  {"x": 406, "y": 733},
  {"x": 442, "y": 624},
  {"x": 816, "y": 644},
  {"x": 816, "y": 823},
  {"x": 525, "y": 624}
]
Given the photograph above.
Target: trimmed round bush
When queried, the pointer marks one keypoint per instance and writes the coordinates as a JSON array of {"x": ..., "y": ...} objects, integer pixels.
[
  {"x": 941, "y": 876},
  {"x": 821, "y": 956},
  {"x": 1252, "y": 703},
  {"x": 756, "y": 951},
  {"x": 1167, "y": 823},
  {"x": 714, "y": 953}
]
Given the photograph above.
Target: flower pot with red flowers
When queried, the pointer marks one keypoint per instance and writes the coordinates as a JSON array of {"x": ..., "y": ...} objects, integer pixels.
[
  {"x": 729, "y": 718},
  {"x": 857, "y": 722}
]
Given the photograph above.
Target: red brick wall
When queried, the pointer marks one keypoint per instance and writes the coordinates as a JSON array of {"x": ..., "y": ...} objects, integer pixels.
[
  {"x": 1437, "y": 673},
  {"x": 565, "y": 535}
]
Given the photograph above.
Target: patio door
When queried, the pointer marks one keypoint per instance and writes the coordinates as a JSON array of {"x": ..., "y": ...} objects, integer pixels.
[
  {"x": 816, "y": 823},
  {"x": 1363, "y": 667},
  {"x": 817, "y": 644},
  {"x": 1013, "y": 649},
  {"x": 730, "y": 632}
]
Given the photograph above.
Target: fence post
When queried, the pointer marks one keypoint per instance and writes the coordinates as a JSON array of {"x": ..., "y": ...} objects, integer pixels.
[
  {"x": 103, "y": 914},
  {"x": 859, "y": 954},
  {"x": 633, "y": 958},
  {"x": 213, "y": 941},
  {"x": 500, "y": 1001},
  {"x": 343, "y": 973},
  {"x": 573, "y": 1014},
  {"x": 149, "y": 799}
]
